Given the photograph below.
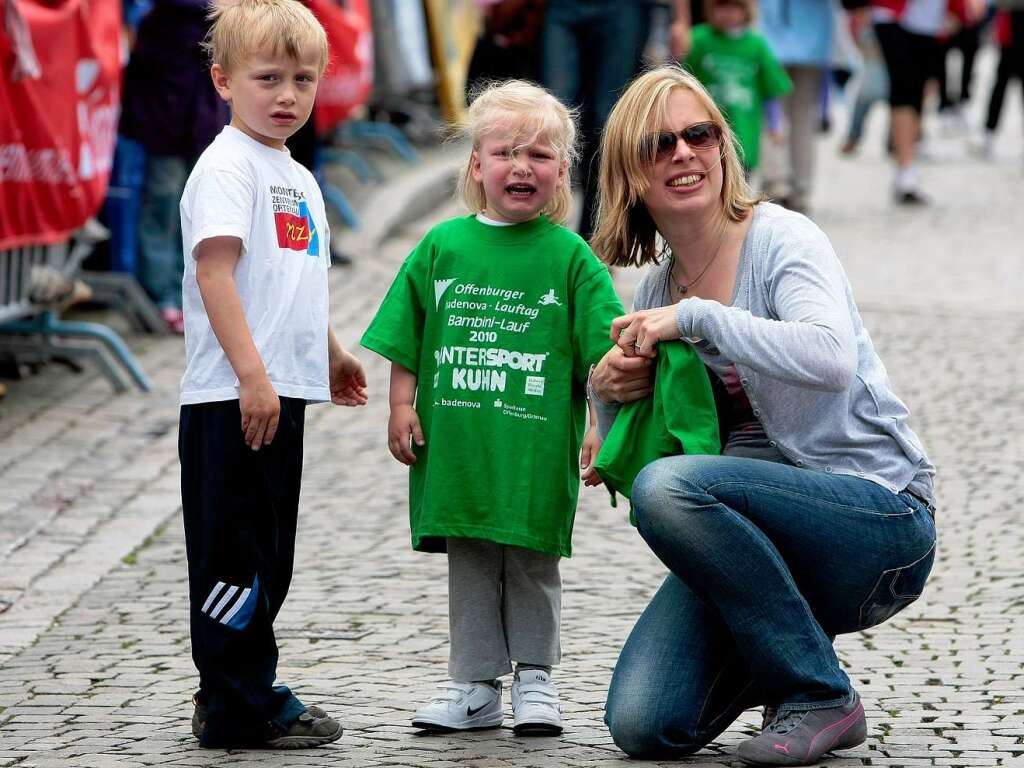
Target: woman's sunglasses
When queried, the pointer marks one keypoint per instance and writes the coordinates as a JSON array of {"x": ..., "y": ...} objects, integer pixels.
[{"x": 697, "y": 136}]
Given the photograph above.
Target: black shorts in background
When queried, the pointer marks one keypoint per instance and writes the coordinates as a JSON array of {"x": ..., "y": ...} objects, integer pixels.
[{"x": 911, "y": 60}]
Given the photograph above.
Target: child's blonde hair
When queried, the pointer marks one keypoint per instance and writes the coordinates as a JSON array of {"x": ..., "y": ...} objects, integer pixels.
[
  {"x": 625, "y": 234},
  {"x": 241, "y": 27},
  {"x": 528, "y": 113}
]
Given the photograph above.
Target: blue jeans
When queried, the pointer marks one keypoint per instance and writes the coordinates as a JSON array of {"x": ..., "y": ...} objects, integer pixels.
[
  {"x": 768, "y": 562},
  {"x": 161, "y": 262},
  {"x": 873, "y": 87},
  {"x": 590, "y": 51}
]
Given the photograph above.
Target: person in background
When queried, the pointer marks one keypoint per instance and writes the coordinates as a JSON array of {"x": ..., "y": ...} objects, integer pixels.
[
  {"x": 966, "y": 38},
  {"x": 871, "y": 85},
  {"x": 741, "y": 73},
  {"x": 590, "y": 50},
  {"x": 509, "y": 44},
  {"x": 174, "y": 113},
  {"x": 1010, "y": 37},
  {"x": 908, "y": 32},
  {"x": 800, "y": 34}
]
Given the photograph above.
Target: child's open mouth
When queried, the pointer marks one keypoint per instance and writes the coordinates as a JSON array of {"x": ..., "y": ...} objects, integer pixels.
[{"x": 520, "y": 190}]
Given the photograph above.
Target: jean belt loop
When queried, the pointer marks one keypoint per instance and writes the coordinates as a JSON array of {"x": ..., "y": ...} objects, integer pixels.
[{"x": 927, "y": 504}]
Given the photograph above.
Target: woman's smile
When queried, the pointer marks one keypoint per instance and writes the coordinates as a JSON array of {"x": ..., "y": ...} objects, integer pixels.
[{"x": 686, "y": 182}]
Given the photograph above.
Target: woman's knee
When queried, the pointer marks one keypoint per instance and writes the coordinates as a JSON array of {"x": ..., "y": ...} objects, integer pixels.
[
  {"x": 639, "y": 734},
  {"x": 665, "y": 490}
]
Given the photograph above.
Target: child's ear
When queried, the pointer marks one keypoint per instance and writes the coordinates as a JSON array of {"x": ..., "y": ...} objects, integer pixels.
[
  {"x": 474, "y": 166},
  {"x": 221, "y": 82},
  {"x": 563, "y": 171}
]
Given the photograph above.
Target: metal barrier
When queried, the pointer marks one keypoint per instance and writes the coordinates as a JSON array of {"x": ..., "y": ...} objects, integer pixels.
[
  {"x": 29, "y": 326},
  {"x": 16, "y": 277}
]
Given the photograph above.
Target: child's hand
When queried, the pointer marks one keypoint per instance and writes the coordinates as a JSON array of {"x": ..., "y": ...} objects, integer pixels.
[
  {"x": 348, "y": 382},
  {"x": 404, "y": 422},
  {"x": 261, "y": 409},
  {"x": 588, "y": 455}
]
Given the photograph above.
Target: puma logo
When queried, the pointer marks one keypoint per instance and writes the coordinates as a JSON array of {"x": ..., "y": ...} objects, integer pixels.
[{"x": 782, "y": 747}]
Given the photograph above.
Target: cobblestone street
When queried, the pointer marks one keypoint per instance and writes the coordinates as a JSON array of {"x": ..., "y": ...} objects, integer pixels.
[{"x": 94, "y": 651}]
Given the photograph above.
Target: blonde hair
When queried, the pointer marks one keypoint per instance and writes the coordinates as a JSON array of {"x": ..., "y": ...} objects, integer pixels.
[
  {"x": 241, "y": 27},
  {"x": 528, "y": 113},
  {"x": 625, "y": 233}
]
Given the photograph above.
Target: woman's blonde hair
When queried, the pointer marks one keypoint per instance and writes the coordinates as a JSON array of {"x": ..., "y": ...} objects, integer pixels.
[
  {"x": 239, "y": 28},
  {"x": 527, "y": 113},
  {"x": 625, "y": 233}
]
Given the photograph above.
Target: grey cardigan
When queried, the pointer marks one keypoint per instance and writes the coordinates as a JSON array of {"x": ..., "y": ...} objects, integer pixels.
[{"x": 804, "y": 358}]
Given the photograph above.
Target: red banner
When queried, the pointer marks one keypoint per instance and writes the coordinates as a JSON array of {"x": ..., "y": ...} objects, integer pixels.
[
  {"x": 58, "y": 123},
  {"x": 348, "y": 80}
]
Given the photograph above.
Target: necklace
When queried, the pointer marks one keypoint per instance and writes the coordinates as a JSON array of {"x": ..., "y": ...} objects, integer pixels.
[{"x": 684, "y": 287}]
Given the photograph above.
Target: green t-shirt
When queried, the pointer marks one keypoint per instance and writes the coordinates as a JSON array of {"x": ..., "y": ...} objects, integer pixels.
[
  {"x": 501, "y": 326},
  {"x": 741, "y": 73}
]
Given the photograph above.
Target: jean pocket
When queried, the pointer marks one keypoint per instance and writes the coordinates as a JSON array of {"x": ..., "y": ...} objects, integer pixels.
[{"x": 895, "y": 589}]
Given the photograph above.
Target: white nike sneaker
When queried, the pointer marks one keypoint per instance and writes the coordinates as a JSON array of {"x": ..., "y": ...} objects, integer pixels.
[
  {"x": 535, "y": 706},
  {"x": 462, "y": 707}
]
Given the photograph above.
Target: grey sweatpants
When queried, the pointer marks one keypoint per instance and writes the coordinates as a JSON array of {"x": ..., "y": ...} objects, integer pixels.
[
  {"x": 788, "y": 171},
  {"x": 504, "y": 605}
]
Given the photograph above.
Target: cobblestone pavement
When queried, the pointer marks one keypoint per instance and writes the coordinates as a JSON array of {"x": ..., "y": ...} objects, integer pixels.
[{"x": 94, "y": 653}]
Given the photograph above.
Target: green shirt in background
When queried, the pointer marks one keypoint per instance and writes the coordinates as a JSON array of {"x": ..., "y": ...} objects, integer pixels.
[
  {"x": 741, "y": 73},
  {"x": 501, "y": 326}
]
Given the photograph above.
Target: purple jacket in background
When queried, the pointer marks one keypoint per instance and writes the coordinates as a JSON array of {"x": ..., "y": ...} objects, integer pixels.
[{"x": 169, "y": 103}]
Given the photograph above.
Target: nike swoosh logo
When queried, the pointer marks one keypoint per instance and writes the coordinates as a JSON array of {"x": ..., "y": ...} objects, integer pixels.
[{"x": 470, "y": 711}]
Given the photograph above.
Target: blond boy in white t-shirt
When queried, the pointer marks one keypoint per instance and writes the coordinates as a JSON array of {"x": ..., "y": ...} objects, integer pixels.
[{"x": 258, "y": 348}]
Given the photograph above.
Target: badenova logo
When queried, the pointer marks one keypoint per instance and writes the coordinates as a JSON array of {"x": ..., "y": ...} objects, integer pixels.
[{"x": 440, "y": 286}]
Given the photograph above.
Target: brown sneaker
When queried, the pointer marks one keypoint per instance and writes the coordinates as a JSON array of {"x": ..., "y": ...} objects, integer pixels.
[
  {"x": 309, "y": 730},
  {"x": 199, "y": 717}
]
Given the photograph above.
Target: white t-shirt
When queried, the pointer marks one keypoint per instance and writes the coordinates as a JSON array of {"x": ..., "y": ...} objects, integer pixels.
[
  {"x": 244, "y": 189},
  {"x": 924, "y": 17}
]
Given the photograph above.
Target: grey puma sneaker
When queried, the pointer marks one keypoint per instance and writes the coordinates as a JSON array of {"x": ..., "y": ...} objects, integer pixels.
[{"x": 801, "y": 737}]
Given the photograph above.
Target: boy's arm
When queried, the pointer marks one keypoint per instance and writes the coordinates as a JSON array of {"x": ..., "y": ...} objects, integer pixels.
[
  {"x": 404, "y": 420},
  {"x": 348, "y": 381},
  {"x": 216, "y": 258}
]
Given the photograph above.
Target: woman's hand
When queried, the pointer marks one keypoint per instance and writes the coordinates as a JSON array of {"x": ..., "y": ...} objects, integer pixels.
[
  {"x": 620, "y": 379},
  {"x": 638, "y": 333}
]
